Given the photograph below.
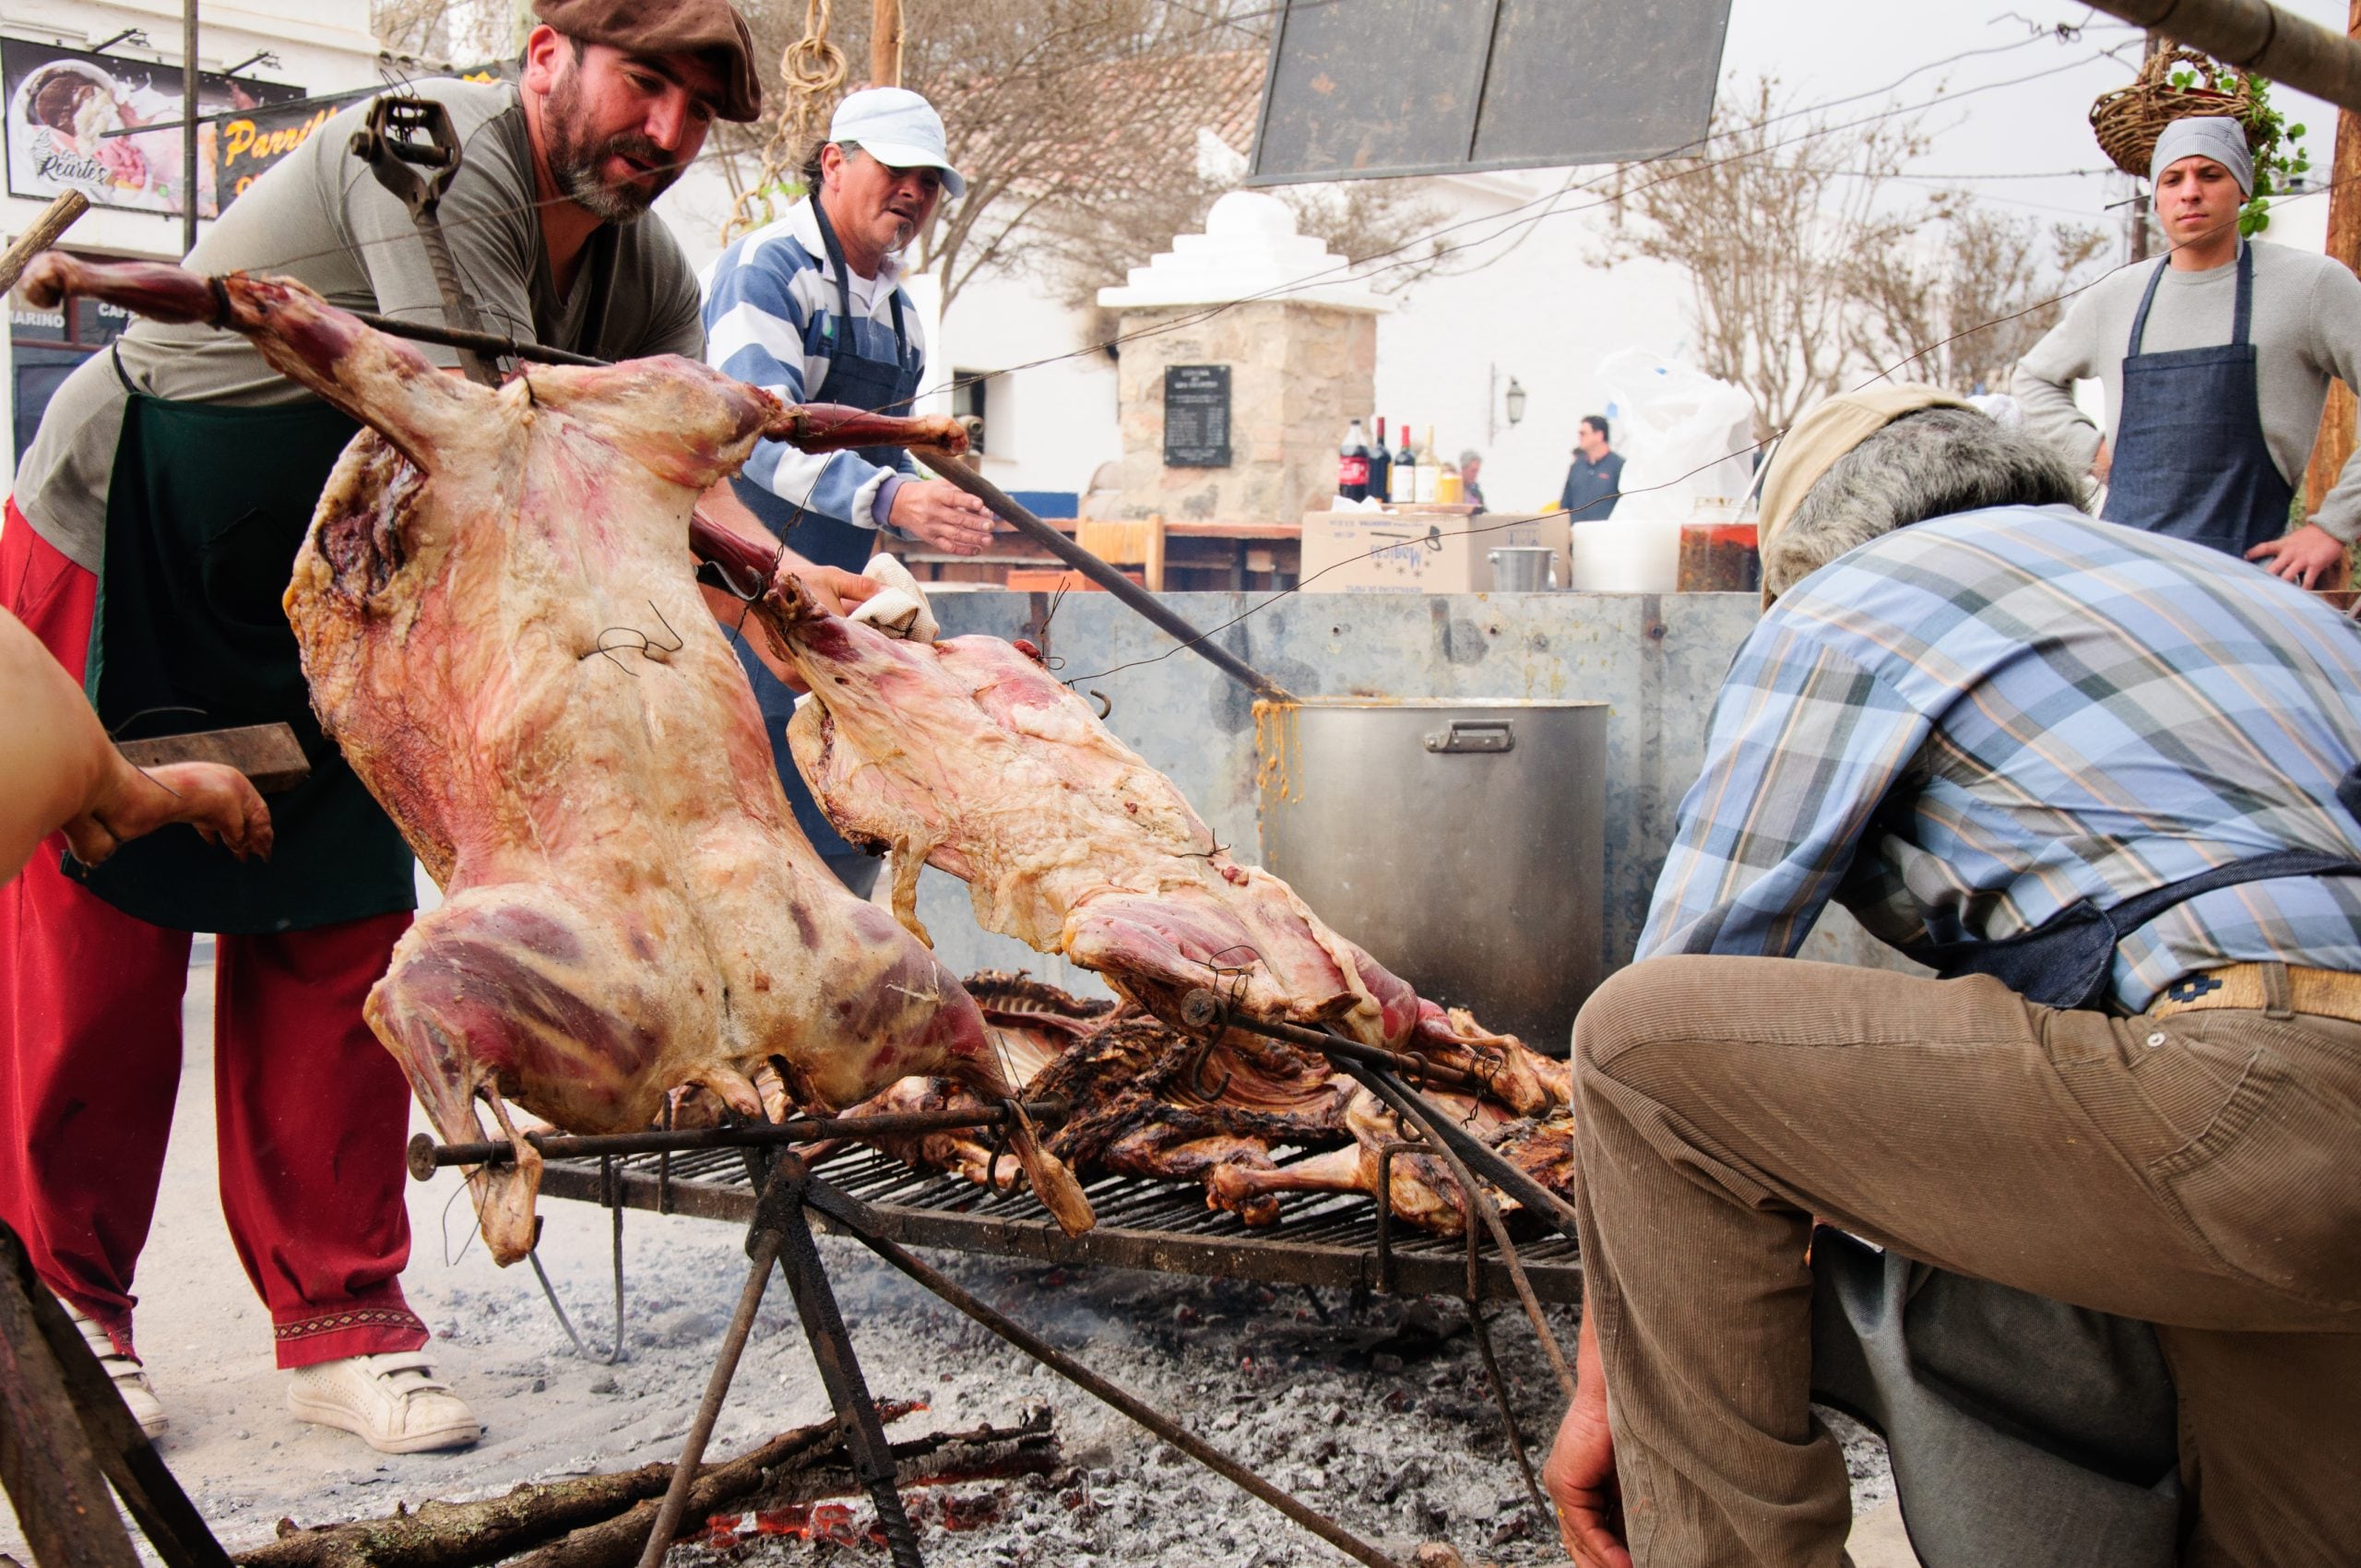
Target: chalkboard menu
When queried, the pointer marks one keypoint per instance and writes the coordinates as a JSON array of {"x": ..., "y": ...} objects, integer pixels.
[{"x": 1196, "y": 416}]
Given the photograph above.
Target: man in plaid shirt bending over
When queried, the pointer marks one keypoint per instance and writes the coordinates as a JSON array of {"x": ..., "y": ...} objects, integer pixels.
[{"x": 2106, "y": 781}]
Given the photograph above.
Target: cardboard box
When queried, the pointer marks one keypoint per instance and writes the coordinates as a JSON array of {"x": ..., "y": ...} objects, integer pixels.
[{"x": 1420, "y": 549}]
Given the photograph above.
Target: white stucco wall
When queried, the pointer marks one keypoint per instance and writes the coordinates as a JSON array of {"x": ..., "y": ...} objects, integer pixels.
[{"x": 1535, "y": 310}]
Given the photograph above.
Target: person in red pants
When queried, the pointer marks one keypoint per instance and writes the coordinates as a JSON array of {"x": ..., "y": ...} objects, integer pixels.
[
  {"x": 310, "y": 1115},
  {"x": 157, "y": 514}
]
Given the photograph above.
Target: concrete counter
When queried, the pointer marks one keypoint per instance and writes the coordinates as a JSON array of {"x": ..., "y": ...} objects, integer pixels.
[{"x": 1655, "y": 659}]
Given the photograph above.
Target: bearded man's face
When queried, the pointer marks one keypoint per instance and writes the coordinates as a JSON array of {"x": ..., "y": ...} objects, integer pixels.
[{"x": 621, "y": 128}]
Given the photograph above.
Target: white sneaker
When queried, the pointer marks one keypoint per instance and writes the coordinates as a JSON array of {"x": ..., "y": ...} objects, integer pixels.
[
  {"x": 130, "y": 1378},
  {"x": 393, "y": 1403}
]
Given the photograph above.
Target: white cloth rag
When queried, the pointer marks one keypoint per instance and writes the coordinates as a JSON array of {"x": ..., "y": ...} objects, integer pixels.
[{"x": 899, "y": 608}]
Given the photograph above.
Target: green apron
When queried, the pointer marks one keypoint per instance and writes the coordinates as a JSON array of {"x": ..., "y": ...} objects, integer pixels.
[{"x": 206, "y": 510}]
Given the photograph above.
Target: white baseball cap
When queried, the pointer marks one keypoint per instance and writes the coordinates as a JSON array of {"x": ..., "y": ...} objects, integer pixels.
[{"x": 900, "y": 129}]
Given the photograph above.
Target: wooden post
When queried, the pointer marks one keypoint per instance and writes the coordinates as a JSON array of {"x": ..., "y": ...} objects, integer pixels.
[
  {"x": 2333, "y": 446},
  {"x": 885, "y": 42},
  {"x": 2140, "y": 194},
  {"x": 189, "y": 112}
]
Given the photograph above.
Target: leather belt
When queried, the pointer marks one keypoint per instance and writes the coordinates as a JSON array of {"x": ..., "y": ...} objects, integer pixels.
[{"x": 2328, "y": 994}]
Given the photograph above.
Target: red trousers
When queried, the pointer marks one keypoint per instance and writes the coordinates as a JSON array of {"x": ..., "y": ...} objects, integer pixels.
[{"x": 310, "y": 1110}]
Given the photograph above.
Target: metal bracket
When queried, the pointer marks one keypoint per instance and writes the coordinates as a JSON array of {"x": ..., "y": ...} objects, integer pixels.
[
  {"x": 1474, "y": 735},
  {"x": 403, "y": 136}
]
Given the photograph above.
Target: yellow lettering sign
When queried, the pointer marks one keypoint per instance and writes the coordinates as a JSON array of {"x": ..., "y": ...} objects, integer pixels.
[{"x": 242, "y": 139}]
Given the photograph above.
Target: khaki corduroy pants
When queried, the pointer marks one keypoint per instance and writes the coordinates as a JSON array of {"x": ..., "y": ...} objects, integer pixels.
[{"x": 2201, "y": 1172}]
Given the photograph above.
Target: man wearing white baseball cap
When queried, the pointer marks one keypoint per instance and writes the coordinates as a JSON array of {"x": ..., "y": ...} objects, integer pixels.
[{"x": 811, "y": 307}]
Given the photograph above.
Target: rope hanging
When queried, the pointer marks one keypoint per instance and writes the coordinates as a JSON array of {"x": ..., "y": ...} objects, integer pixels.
[{"x": 814, "y": 71}]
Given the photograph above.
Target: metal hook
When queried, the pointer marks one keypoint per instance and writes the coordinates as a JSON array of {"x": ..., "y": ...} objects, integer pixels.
[{"x": 1104, "y": 707}]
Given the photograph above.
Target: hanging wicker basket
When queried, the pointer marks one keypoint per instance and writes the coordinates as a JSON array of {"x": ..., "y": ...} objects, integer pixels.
[{"x": 2129, "y": 120}]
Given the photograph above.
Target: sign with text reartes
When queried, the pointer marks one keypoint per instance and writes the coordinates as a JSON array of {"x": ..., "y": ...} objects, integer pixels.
[
  {"x": 1196, "y": 416},
  {"x": 1363, "y": 89},
  {"x": 75, "y": 118}
]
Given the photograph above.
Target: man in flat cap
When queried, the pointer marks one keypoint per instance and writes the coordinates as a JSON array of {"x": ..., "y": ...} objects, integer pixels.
[
  {"x": 162, "y": 501},
  {"x": 2216, "y": 362},
  {"x": 2104, "y": 784},
  {"x": 811, "y": 307}
]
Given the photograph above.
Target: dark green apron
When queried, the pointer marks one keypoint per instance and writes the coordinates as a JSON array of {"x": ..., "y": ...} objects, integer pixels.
[{"x": 206, "y": 510}]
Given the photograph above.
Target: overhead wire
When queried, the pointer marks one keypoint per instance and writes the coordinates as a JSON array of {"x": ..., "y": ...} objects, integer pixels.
[{"x": 1362, "y": 268}]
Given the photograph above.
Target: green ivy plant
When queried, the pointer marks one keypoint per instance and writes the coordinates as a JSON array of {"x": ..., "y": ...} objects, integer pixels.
[{"x": 2279, "y": 153}]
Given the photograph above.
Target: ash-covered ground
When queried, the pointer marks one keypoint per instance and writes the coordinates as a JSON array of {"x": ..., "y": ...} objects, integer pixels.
[{"x": 1387, "y": 1424}]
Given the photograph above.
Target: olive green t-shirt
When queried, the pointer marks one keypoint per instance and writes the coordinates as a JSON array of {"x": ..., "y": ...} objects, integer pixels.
[{"x": 320, "y": 217}]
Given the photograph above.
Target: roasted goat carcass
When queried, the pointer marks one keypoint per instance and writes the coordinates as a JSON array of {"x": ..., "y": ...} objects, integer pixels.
[
  {"x": 1419, "y": 1187},
  {"x": 500, "y": 624},
  {"x": 969, "y": 756},
  {"x": 1144, "y": 1100}
]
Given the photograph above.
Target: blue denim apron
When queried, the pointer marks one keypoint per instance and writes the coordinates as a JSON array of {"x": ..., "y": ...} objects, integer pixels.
[
  {"x": 863, "y": 382},
  {"x": 2189, "y": 457}
]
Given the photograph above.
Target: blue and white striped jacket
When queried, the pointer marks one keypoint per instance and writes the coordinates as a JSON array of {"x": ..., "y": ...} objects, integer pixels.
[{"x": 771, "y": 318}]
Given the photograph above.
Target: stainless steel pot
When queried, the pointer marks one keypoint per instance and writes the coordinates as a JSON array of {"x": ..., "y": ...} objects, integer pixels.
[
  {"x": 1462, "y": 842},
  {"x": 1523, "y": 569}
]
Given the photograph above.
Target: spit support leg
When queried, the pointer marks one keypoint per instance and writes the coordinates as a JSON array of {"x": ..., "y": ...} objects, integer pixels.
[
  {"x": 780, "y": 1235},
  {"x": 784, "y": 1180}
]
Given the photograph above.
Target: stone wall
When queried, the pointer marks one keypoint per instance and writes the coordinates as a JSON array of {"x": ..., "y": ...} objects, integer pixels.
[{"x": 1298, "y": 372}]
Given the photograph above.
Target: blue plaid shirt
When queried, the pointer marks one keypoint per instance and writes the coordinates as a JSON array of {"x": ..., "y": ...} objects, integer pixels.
[{"x": 1967, "y": 725}]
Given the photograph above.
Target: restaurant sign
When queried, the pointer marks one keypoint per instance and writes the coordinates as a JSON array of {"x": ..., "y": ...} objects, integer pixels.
[{"x": 74, "y": 123}]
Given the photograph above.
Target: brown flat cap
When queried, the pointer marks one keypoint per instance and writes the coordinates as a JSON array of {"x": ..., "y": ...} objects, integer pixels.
[{"x": 709, "y": 27}]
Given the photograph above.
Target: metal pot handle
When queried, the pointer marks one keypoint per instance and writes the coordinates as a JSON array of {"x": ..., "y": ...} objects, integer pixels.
[{"x": 1474, "y": 735}]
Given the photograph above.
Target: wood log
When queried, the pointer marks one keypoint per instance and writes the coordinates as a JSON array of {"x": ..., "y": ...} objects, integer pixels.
[
  {"x": 466, "y": 1535},
  {"x": 942, "y": 1458},
  {"x": 618, "y": 1542},
  {"x": 266, "y": 753},
  {"x": 50, "y": 1474},
  {"x": 54, "y": 219}
]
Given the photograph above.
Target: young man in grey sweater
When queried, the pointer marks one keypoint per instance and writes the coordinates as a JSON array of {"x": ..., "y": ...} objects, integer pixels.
[{"x": 2209, "y": 424}]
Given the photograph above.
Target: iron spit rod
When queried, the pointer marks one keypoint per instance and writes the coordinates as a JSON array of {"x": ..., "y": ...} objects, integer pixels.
[
  {"x": 1212, "y": 1012},
  {"x": 1137, "y": 598},
  {"x": 426, "y": 1155},
  {"x": 852, "y": 1215},
  {"x": 480, "y": 343},
  {"x": 1411, "y": 1108}
]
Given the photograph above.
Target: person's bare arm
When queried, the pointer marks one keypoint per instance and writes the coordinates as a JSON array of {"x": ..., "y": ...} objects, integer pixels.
[
  {"x": 59, "y": 770},
  {"x": 1580, "y": 1473}
]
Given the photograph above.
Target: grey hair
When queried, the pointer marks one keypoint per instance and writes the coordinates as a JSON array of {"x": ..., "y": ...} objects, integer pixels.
[
  {"x": 1927, "y": 464},
  {"x": 812, "y": 164}
]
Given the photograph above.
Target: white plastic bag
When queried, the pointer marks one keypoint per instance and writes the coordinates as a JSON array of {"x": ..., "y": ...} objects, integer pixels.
[{"x": 1685, "y": 438}]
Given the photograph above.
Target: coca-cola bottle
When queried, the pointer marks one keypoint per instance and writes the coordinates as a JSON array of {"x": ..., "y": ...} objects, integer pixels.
[{"x": 1352, "y": 464}]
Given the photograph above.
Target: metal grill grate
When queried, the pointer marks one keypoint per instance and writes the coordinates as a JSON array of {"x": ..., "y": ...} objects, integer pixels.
[{"x": 1322, "y": 1240}]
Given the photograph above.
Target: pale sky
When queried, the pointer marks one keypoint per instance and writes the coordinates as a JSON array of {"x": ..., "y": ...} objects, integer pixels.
[{"x": 1824, "y": 48}]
